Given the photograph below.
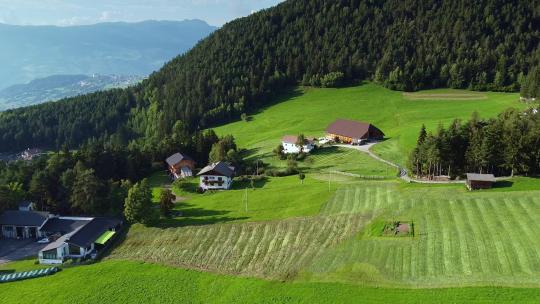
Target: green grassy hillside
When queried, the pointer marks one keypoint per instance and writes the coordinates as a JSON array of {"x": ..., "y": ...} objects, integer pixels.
[
  {"x": 320, "y": 242},
  {"x": 132, "y": 282},
  {"x": 310, "y": 110}
]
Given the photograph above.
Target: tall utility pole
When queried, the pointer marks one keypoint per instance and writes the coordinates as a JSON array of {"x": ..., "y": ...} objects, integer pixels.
[
  {"x": 246, "y": 199},
  {"x": 329, "y": 178}
]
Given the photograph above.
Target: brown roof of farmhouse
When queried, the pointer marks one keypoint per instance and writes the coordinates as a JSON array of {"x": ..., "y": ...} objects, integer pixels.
[{"x": 351, "y": 128}]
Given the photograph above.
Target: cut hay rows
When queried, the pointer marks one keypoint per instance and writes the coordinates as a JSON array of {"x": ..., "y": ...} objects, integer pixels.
[
  {"x": 266, "y": 249},
  {"x": 467, "y": 240},
  {"x": 361, "y": 199}
]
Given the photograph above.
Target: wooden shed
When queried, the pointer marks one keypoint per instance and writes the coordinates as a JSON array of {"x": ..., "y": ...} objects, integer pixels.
[{"x": 477, "y": 181}]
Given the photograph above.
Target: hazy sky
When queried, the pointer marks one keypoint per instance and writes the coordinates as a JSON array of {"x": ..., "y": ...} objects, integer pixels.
[{"x": 77, "y": 12}]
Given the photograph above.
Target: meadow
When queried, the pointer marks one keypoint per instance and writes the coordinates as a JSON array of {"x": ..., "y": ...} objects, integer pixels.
[
  {"x": 317, "y": 242},
  {"x": 135, "y": 282},
  {"x": 311, "y": 110}
]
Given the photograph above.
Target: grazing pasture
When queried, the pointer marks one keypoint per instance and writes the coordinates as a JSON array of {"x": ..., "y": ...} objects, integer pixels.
[{"x": 310, "y": 110}]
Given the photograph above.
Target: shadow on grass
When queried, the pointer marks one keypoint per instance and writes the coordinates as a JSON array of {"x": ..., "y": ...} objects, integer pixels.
[
  {"x": 503, "y": 184},
  {"x": 196, "y": 216},
  {"x": 257, "y": 184}
]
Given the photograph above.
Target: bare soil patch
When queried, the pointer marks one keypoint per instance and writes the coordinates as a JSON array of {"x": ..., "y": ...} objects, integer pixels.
[{"x": 398, "y": 229}]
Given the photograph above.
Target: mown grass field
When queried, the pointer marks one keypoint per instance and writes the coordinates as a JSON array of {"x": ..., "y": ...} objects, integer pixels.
[
  {"x": 133, "y": 282},
  {"x": 310, "y": 110},
  {"x": 462, "y": 239}
]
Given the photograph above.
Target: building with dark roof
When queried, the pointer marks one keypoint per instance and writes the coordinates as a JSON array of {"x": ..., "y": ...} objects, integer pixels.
[
  {"x": 88, "y": 237},
  {"x": 26, "y": 206},
  {"x": 180, "y": 165},
  {"x": 352, "y": 132},
  {"x": 477, "y": 181},
  {"x": 17, "y": 224},
  {"x": 216, "y": 176},
  {"x": 63, "y": 225}
]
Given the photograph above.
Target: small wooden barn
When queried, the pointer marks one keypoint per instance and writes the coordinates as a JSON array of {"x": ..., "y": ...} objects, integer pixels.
[
  {"x": 180, "y": 165},
  {"x": 480, "y": 181}
]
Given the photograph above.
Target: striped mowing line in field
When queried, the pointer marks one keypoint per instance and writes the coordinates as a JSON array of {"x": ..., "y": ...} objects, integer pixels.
[
  {"x": 518, "y": 212},
  {"x": 518, "y": 261},
  {"x": 267, "y": 249},
  {"x": 494, "y": 230}
]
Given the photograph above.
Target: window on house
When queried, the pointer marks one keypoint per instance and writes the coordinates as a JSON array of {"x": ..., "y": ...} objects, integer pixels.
[{"x": 49, "y": 254}]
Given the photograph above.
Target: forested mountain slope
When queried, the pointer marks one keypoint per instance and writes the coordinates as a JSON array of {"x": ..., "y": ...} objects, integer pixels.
[{"x": 405, "y": 45}]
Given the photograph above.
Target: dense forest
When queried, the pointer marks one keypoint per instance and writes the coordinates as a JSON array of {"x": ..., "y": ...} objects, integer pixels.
[
  {"x": 96, "y": 179},
  {"x": 506, "y": 145},
  {"x": 402, "y": 44}
]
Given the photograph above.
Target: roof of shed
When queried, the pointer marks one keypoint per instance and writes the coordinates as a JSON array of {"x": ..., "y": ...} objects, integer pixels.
[{"x": 481, "y": 177}]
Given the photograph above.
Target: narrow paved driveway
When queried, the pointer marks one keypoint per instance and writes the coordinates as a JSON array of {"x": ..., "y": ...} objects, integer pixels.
[
  {"x": 12, "y": 250},
  {"x": 403, "y": 174}
]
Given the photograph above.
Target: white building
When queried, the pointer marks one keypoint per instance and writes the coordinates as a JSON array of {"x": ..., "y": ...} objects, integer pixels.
[
  {"x": 216, "y": 176},
  {"x": 290, "y": 146},
  {"x": 86, "y": 237}
]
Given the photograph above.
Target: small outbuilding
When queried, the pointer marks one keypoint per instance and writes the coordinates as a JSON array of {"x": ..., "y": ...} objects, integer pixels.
[
  {"x": 19, "y": 224},
  {"x": 477, "y": 181},
  {"x": 291, "y": 146},
  {"x": 180, "y": 165},
  {"x": 353, "y": 132}
]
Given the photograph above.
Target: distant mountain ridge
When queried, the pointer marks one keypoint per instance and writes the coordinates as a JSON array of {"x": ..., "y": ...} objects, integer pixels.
[
  {"x": 56, "y": 87},
  {"x": 31, "y": 52}
]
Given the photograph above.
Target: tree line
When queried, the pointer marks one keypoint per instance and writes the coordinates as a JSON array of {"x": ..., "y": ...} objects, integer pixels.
[
  {"x": 506, "y": 145},
  {"x": 105, "y": 178},
  {"x": 402, "y": 44}
]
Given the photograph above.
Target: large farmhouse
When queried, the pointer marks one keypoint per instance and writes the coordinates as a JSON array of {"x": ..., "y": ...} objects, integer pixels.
[
  {"x": 180, "y": 165},
  {"x": 291, "y": 146},
  {"x": 216, "y": 176},
  {"x": 352, "y": 132}
]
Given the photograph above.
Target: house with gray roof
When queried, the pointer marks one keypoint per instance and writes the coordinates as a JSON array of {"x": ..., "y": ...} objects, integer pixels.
[
  {"x": 216, "y": 176},
  {"x": 21, "y": 224},
  {"x": 180, "y": 165},
  {"x": 88, "y": 237}
]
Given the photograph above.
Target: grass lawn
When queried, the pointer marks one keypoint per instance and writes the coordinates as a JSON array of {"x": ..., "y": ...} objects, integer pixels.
[
  {"x": 21, "y": 265},
  {"x": 133, "y": 282},
  {"x": 310, "y": 110},
  {"x": 275, "y": 198}
]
